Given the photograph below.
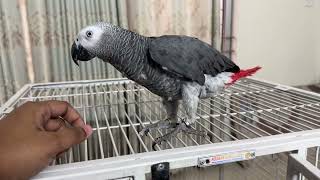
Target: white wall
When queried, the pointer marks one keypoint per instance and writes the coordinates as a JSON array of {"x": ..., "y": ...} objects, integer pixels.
[{"x": 282, "y": 36}]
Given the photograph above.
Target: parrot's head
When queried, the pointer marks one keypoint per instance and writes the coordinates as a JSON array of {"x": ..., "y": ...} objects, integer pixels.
[{"x": 93, "y": 41}]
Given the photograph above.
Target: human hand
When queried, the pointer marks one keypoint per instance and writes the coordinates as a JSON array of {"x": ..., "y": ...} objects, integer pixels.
[{"x": 32, "y": 135}]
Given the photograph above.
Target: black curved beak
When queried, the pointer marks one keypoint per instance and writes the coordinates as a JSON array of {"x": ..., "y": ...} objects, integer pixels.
[
  {"x": 79, "y": 53},
  {"x": 74, "y": 53}
]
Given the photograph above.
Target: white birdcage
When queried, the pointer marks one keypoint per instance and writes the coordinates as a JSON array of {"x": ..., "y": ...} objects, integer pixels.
[{"x": 254, "y": 122}]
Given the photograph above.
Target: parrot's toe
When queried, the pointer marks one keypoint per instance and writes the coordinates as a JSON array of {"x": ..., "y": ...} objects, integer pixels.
[
  {"x": 181, "y": 127},
  {"x": 144, "y": 131},
  {"x": 165, "y": 137},
  {"x": 195, "y": 132},
  {"x": 162, "y": 124}
]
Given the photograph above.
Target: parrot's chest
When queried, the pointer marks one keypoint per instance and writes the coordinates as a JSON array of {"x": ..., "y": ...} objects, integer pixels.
[
  {"x": 153, "y": 78},
  {"x": 160, "y": 84}
]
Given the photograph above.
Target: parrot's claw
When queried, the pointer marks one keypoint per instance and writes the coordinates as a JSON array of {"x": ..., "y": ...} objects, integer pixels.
[
  {"x": 165, "y": 124},
  {"x": 144, "y": 131},
  {"x": 195, "y": 132},
  {"x": 166, "y": 137},
  {"x": 181, "y": 127}
]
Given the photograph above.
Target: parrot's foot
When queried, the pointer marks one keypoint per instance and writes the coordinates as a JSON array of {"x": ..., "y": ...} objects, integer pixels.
[
  {"x": 162, "y": 124},
  {"x": 181, "y": 127}
]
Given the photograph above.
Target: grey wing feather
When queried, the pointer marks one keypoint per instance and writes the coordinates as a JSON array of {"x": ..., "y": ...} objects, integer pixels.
[{"x": 189, "y": 57}]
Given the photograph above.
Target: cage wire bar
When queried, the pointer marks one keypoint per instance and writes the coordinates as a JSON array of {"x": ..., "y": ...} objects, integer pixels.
[{"x": 249, "y": 115}]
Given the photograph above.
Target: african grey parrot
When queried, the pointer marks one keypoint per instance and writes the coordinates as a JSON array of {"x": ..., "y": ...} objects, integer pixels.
[{"x": 174, "y": 67}]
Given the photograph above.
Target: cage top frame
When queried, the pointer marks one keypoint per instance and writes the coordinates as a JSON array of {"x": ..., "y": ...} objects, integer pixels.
[{"x": 138, "y": 165}]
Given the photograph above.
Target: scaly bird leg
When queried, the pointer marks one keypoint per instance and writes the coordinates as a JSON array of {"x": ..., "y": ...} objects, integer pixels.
[
  {"x": 180, "y": 127},
  {"x": 190, "y": 130},
  {"x": 162, "y": 124},
  {"x": 172, "y": 110},
  {"x": 190, "y": 100}
]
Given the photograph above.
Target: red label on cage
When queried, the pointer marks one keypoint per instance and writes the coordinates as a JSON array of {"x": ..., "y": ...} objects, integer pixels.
[{"x": 226, "y": 158}]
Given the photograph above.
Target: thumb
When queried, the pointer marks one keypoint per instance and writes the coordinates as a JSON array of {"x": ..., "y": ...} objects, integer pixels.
[{"x": 66, "y": 137}]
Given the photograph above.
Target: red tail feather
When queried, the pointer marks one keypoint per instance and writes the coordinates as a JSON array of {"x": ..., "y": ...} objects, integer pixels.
[{"x": 243, "y": 73}]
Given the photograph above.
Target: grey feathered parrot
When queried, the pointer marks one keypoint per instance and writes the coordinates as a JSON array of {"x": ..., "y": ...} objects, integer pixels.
[{"x": 172, "y": 66}]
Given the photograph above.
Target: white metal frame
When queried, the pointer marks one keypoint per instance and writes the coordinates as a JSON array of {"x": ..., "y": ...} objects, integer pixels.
[
  {"x": 297, "y": 165},
  {"x": 137, "y": 165}
]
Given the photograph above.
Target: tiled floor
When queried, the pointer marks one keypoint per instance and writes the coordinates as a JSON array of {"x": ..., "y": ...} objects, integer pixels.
[{"x": 314, "y": 88}]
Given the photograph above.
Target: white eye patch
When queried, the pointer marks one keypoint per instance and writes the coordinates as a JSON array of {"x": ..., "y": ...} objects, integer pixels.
[{"x": 90, "y": 36}]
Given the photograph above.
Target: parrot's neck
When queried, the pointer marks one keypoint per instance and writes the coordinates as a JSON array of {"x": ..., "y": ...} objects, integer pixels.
[{"x": 129, "y": 56}]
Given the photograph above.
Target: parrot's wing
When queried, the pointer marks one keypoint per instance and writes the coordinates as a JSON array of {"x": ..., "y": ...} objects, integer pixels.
[{"x": 189, "y": 57}]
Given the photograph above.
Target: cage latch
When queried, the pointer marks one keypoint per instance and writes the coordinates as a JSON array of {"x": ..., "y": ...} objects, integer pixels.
[{"x": 160, "y": 171}]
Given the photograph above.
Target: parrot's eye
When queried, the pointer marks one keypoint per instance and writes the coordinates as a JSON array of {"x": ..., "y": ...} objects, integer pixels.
[{"x": 89, "y": 34}]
